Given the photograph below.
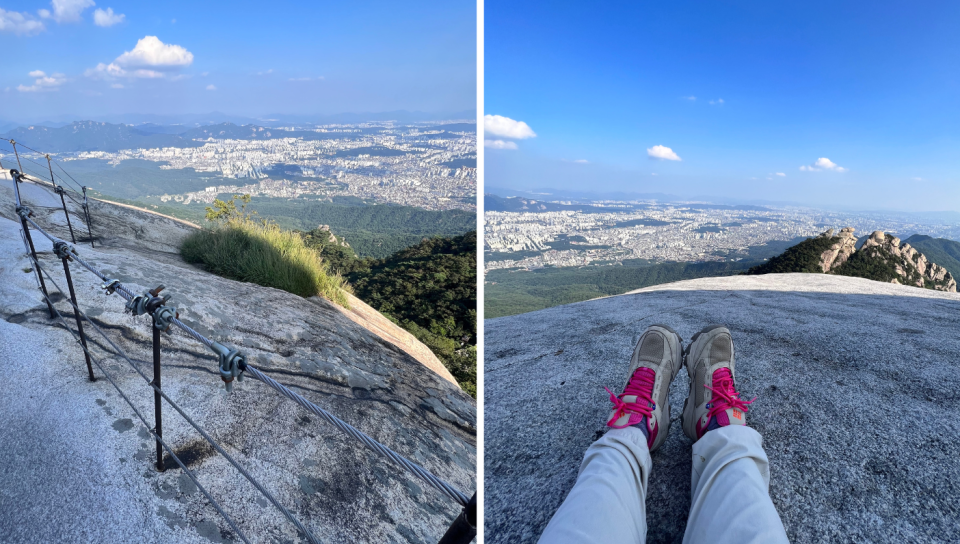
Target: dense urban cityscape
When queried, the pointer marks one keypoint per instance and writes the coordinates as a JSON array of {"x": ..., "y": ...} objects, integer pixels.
[
  {"x": 430, "y": 168},
  {"x": 664, "y": 232}
]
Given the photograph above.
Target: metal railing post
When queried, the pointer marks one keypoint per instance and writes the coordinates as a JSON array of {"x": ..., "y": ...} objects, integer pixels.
[
  {"x": 463, "y": 529},
  {"x": 86, "y": 210},
  {"x": 13, "y": 143},
  {"x": 76, "y": 313},
  {"x": 157, "y": 405},
  {"x": 59, "y": 191}
]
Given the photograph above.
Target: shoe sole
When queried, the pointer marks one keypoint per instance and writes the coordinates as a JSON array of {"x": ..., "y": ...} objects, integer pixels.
[{"x": 686, "y": 353}]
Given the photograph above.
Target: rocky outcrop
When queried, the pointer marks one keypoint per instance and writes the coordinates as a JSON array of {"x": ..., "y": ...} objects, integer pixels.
[
  {"x": 77, "y": 443},
  {"x": 856, "y": 401},
  {"x": 840, "y": 251},
  {"x": 911, "y": 266},
  {"x": 881, "y": 258}
]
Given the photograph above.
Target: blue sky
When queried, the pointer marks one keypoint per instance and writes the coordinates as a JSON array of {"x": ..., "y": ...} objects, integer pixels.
[
  {"x": 872, "y": 87},
  {"x": 243, "y": 58}
]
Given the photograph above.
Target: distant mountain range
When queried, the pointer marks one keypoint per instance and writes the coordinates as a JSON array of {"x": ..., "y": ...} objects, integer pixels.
[
  {"x": 496, "y": 203},
  {"x": 101, "y": 136},
  {"x": 272, "y": 120}
]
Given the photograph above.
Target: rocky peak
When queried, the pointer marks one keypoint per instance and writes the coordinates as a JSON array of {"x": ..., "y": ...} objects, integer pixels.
[
  {"x": 844, "y": 246},
  {"x": 884, "y": 259}
]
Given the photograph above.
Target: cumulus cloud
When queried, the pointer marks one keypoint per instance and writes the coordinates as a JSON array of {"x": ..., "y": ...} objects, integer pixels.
[
  {"x": 499, "y": 144},
  {"x": 43, "y": 82},
  {"x": 717, "y": 102},
  {"x": 153, "y": 53},
  {"x": 781, "y": 174},
  {"x": 505, "y": 127},
  {"x": 211, "y": 87},
  {"x": 68, "y": 11},
  {"x": 823, "y": 163},
  {"x": 662, "y": 153},
  {"x": 20, "y": 24},
  {"x": 150, "y": 59},
  {"x": 107, "y": 18}
]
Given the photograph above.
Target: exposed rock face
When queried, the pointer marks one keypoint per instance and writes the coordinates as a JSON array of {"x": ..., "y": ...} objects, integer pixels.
[
  {"x": 78, "y": 449},
  {"x": 856, "y": 384},
  {"x": 912, "y": 266},
  {"x": 840, "y": 251},
  {"x": 883, "y": 258}
]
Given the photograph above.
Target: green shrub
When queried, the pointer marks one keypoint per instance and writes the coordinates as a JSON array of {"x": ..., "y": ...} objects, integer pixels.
[{"x": 240, "y": 248}]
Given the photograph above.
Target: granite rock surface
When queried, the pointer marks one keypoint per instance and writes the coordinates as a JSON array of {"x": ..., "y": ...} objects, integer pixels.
[{"x": 856, "y": 384}]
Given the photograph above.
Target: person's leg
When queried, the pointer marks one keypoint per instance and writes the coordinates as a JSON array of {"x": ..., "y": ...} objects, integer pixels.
[
  {"x": 730, "y": 487},
  {"x": 730, "y": 473},
  {"x": 606, "y": 503}
]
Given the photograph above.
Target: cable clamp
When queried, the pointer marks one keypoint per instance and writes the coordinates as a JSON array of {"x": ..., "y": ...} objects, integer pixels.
[
  {"x": 58, "y": 189},
  {"x": 147, "y": 303},
  {"x": 110, "y": 286},
  {"x": 63, "y": 250},
  {"x": 163, "y": 318},
  {"x": 17, "y": 176},
  {"x": 24, "y": 212},
  {"x": 232, "y": 364}
]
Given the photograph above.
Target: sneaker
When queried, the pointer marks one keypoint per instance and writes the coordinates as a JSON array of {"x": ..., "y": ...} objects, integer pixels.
[
  {"x": 656, "y": 361},
  {"x": 713, "y": 401}
]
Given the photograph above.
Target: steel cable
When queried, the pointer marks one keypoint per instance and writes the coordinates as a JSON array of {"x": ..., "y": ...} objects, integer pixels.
[
  {"x": 180, "y": 411},
  {"x": 423, "y": 473},
  {"x": 166, "y": 446}
]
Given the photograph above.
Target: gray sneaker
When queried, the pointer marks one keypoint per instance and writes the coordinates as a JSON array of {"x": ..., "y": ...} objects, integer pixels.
[
  {"x": 644, "y": 402},
  {"x": 713, "y": 401}
]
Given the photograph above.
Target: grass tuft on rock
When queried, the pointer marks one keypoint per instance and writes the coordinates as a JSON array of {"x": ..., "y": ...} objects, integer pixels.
[{"x": 242, "y": 248}]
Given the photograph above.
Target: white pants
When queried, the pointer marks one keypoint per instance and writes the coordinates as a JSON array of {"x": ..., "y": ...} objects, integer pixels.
[{"x": 730, "y": 482}]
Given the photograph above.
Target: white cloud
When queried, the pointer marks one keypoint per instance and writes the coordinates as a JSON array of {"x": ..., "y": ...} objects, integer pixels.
[
  {"x": 20, "y": 24},
  {"x": 107, "y": 18},
  {"x": 654, "y": 174},
  {"x": 117, "y": 85},
  {"x": 690, "y": 98},
  {"x": 581, "y": 161},
  {"x": 43, "y": 82},
  {"x": 211, "y": 87},
  {"x": 505, "y": 127},
  {"x": 68, "y": 11},
  {"x": 717, "y": 102},
  {"x": 44, "y": 13},
  {"x": 264, "y": 73},
  {"x": 823, "y": 163},
  {"x": 781, "y": 174},
  {"x": 917, "y": 179},
  {"x": 153, "y": 53},
  {"x": 150, "y": 59},
  {"x": 204, "y": 74},
  {"x": 662, "y": 153},
  {"x": 318, "y": 78},
  {"x": 499, "y": 144}
]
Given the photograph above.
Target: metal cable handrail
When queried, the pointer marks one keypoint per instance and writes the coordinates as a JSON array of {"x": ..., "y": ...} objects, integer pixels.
[
  {"x": 372, "y": 444},
  {"x": 143, "y": 420},
  {"x": 189, "y": 420}
]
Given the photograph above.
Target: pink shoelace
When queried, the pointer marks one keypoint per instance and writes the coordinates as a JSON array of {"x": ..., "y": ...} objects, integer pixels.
[
  {"x": 725, "y": 396},
  {"x": 641, "y": 386}
]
